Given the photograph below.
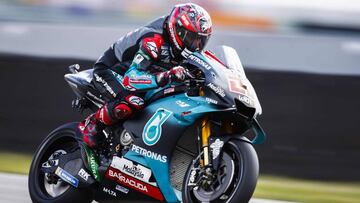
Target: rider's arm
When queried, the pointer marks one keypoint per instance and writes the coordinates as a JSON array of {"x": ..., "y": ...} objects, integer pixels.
[
  {"x": 138, "y": 77},
  {"x": 107, "y": 60}
]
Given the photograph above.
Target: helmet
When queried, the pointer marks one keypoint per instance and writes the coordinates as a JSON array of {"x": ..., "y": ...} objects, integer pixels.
[{"x": 189, "y": 27}]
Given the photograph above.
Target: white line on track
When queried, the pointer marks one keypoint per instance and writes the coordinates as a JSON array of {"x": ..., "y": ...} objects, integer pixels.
[{"x": 13, "y": 188}]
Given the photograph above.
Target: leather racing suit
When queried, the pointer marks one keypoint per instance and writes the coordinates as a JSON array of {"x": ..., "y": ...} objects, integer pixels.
[{"x": 139, "y": 61}]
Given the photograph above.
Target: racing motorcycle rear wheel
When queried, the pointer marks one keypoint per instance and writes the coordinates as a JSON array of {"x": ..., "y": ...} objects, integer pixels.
[
  {"x": 233, "y": 182},
  {"x": 40, "y": 188}
]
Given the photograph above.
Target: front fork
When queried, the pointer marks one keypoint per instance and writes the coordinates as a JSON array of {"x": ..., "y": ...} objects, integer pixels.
[{"x": 205, "y": 134}]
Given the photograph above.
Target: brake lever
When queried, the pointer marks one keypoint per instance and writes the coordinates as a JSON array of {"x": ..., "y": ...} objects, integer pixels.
[{"x": 189, "y": 75}]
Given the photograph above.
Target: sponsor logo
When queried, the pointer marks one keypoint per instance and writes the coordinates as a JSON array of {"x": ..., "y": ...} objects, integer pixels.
[
  {"x": 153, "y": 128},
  {"x": 121, "y": 178},
  {"x": 165, "y": 51},
  {"x": 134, "y": 171},
  {"x": 218, "y": 90},
  {"x": 149, "y": 154},
  {"x": 93, "y": 163},
  {"x": 140, "y": 81},
  {"x": 128, "y": 167},
  {"x": 186, "y": 53},
  {"x": 94, "y": 167},
  {"x": 122, "y": 189},
  {"x": 130, "y": 182},
  {"x": 211, "y": 100},
  {"x": 135, "y": 100},
  {"x": 169, "y": 90},
  {"x": 182, "y": 104},
  {"x": 216, "y": 146},
  {"x": 106, "y": 85},
  {"x": 83, "y": 174},
  {"x": 67, "y": 177},
  {"x": 245, "y": 99},
  {"x": 109, "y": 192},
  {"x": 94, "y": 97},
  {"x": 152, "y": 48},
  {"x": 200, "y": 61},
  {"x": 138, "y": 59}
]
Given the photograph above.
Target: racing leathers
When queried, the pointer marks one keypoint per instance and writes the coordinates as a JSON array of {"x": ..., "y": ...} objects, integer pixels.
[{"x": 137, "y": 62}]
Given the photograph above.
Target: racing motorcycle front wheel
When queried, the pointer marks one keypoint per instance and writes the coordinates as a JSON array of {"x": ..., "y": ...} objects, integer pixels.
[{"x": 233, "y": 182}]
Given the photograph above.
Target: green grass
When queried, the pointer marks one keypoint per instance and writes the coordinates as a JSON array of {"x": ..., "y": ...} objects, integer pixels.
[
  {"x": 15, "y": 162},
  {"x": 269, "y": 187},
  {"x": 307, "y": 190}
]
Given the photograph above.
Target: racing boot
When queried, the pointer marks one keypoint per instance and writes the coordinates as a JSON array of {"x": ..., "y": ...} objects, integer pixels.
[{"x": 107, "y": 115}]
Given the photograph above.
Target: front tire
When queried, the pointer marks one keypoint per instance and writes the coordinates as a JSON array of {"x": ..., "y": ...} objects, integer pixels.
[
  {"x": 240, "y": 168},
  {"x": 62, "y": 140}
]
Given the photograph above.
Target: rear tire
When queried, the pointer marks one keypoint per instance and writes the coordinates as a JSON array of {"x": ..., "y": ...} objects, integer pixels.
[
  {"x": 242, "y": 185},
  {"x": 61, "y": 139}
]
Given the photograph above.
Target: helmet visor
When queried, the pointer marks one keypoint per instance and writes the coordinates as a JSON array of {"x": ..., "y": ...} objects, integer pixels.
[{"x": 191, "y": 40}]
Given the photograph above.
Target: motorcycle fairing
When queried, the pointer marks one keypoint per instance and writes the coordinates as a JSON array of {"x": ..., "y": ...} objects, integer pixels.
[
  {"x": 228, "y": 81},
  {"x": 184, "y": 112}
]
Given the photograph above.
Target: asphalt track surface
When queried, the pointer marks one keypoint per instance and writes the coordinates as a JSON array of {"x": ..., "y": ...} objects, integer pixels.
[{"x": 13, "y": 188}]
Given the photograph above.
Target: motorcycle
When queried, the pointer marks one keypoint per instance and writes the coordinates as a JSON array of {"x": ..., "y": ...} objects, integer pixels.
[{"x": 188, "y": 145}]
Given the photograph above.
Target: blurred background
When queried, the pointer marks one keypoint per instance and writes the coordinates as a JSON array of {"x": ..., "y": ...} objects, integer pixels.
[{"x": 302, "y": 56}]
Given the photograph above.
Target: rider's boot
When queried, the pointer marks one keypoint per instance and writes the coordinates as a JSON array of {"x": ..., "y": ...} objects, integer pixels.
[{"x": 107, "y": 115}]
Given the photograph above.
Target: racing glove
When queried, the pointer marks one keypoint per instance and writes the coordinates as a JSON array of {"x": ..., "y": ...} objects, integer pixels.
[{"x": 176, "y": 74}]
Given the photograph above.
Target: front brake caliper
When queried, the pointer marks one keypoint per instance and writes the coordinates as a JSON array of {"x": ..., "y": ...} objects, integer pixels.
[{"x": 194, "y": 177}]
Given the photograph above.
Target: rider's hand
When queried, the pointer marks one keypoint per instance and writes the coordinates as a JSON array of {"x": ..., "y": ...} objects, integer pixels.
[{"x": 176, "y": 74}]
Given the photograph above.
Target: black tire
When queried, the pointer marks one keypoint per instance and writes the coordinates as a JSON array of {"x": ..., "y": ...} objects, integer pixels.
[
  {"x": 63, "y": 138},
  {"x": 245, "y": 177}
]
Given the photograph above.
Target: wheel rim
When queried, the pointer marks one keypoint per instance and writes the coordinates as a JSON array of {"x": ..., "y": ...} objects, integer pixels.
[
  {"x": 223, "y": 180},
  {"x": 232, "y": 161},
  {"x": 46, "y": 190},
  {"x": 60, "y": 187}
]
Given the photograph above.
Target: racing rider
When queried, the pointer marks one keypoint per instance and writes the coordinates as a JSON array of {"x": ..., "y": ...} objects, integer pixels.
[{"x": 154, "y": 53}]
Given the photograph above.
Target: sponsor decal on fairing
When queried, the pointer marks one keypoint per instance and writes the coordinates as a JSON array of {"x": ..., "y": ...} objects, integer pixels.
[
  {"x": 149, "y": 154},
  {"x": 200, "y": 62},
  {"x": 209, "y": 100},
  {"x": 169, "y": 90},
  {"x": 153, "y": 128},
  {"x": 122, "y": 189},
  {"x": 133, "y": 183},
  {"x": 182, "y": 104},
  {"x": 218, "y": 90},
  {"x": 109, "y": 192},
  {"x": 245, "y": 99},
  {"x": 130, "y": 168}
]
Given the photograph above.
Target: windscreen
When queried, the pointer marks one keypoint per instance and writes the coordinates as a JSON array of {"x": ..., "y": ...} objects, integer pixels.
[{"x": 238, "y": 78}]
